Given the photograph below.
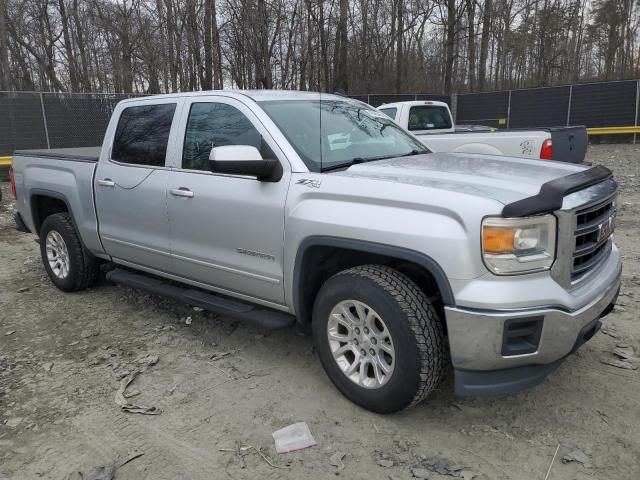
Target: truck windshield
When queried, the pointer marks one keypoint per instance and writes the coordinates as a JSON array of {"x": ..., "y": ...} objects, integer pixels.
[
  {"x": 329, "y": 133},
  {"x": 429, "y": 117}
]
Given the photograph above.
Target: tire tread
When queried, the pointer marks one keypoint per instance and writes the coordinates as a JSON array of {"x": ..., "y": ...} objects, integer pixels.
[
  {"x": 88, "y": 266},
  {"x": 423, "y": 321}
]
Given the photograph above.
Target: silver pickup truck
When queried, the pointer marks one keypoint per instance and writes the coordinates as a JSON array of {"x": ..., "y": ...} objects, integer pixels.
[{"x": 400, "y": 261}]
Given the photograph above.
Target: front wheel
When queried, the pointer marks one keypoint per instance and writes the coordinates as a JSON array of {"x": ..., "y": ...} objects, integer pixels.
[{"x": 379, "y": 338}]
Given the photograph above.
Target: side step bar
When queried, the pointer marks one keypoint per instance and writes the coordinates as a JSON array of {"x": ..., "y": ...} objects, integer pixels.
[{"x": 256, "y": 315}]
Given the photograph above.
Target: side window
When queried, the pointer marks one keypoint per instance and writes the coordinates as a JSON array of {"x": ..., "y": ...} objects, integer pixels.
[
  {"x": 215, "y": 125},
  {"x": 390, "y": 112},
  {"x": 142, "y": 134}
]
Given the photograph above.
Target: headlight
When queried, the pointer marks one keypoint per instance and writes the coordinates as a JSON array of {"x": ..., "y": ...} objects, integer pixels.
[{"x": 518, "y": 245}]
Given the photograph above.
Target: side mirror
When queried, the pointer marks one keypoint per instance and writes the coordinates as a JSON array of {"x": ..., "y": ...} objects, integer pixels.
[{"x": 241, "y": 160}]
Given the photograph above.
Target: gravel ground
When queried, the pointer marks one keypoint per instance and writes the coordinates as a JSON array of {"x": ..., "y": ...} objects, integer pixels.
[{"x": 62, "y": 357}]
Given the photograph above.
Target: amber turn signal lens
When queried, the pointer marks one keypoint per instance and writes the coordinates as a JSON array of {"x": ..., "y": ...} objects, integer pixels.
[{"x": 498, "y": 239}]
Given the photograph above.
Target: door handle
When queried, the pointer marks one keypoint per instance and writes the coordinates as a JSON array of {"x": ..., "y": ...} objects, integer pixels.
[
  {"x": 181, "y": 192},
  {"x": 107, "y": 182}
]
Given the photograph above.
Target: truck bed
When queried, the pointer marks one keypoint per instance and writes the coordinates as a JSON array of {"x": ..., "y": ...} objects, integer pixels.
[
  {"x": 79, "y": 154},
  {"x": 67, "y": 175}
]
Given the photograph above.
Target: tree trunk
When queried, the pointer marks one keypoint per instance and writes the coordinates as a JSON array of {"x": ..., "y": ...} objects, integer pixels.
[
  {"x": 449, "y": 46},
  {"x": 484, "y": 44},
  {"x": 471, "y": 42},
  {"x": 71, "y": 57},
  {"x": 399, "y": 47},
  {"x": 265, "y": 77},
  {"x": 340, "y": 80},
  {"x": 207, "y": 84},
  {"x": 5, "y": 78}
]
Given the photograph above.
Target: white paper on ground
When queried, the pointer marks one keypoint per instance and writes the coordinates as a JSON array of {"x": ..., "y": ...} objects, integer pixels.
[{"x": 292, "y": 438}]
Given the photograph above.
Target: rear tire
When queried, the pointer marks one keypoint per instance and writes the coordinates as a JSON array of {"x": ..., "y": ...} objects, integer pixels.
[
  {"x": 68, "y": 264},
  {"x": 379, "y": 319}
]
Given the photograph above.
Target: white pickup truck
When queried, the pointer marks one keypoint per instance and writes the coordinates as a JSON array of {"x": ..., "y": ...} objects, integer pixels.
[{"x": 433, "y": 124}]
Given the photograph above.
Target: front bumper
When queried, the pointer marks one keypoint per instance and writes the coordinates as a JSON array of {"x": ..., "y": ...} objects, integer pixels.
[{"x": 476, "y": 339}]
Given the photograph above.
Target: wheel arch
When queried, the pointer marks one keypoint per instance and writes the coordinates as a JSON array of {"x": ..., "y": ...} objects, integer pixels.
[
  {"x": 319, "y": 257},
  {"x": 47, "y": 202}
]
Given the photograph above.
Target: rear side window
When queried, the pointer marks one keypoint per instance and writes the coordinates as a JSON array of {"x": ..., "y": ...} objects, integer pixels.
[
  {"x": 429, "y": 117},
  {"x": 216, "y": 125},
  {"x": 389, "y": 112},
  {"x": 143, "y": 134}
]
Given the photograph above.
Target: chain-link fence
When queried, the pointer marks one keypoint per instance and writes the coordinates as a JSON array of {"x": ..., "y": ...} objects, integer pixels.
[
  {"x": 58, "y": 120},
  {"x": 603, "y": 104},
  {"x": 53, "y": 120}
]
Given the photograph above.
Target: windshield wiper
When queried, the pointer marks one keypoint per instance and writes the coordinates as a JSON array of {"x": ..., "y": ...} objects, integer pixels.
[
  {"x": 357, "y": 160},
  {"x": 347, "y": 164},
  {"x": 413, "y": 152}
]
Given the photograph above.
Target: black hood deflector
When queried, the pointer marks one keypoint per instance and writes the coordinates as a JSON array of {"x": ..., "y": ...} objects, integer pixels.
[{"x": 552, "y": 193}]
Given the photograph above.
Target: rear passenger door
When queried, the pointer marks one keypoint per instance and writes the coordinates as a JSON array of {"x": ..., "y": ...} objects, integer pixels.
[
  {"x": 130, "y": 186},
  {"x": 227, "y": 230}
]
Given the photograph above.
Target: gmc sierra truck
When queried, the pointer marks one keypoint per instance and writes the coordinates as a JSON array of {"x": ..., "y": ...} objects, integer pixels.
[
  {"x": 433, "y": 124},
  {"x": 272, "y": 206}
]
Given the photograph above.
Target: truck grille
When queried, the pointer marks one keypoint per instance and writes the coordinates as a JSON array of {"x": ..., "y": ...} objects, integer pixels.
[{"x": 589, "y": 249}]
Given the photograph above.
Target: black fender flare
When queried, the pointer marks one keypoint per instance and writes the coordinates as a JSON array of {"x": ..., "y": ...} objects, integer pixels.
[{"x": 418, "y": 258}]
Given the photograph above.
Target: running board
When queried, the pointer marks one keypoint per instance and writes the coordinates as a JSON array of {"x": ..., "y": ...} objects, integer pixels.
[{"x": 256, "y": 315}]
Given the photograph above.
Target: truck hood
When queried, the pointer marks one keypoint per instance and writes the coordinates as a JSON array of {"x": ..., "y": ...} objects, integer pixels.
[{"x": 505, "y": 179}]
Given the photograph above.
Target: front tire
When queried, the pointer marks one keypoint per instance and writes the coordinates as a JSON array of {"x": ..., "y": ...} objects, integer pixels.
[
  {"x": 69, "y": 266},
  {"x": 379, "y": 338}
]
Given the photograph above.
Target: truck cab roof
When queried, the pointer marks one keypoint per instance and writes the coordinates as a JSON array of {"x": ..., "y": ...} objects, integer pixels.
[
  {"x": 414, "y": 103},
  {"x": 257, "y": 95}
]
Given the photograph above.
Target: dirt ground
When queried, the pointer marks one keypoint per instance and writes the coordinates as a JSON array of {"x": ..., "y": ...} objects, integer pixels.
[{"x": 62, "y": 357}]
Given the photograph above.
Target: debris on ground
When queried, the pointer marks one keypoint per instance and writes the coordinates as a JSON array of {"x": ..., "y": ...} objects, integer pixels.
[
  {"x": 610, "y": 330},
  {"x": 243, "y": 451},
  {"x": 619, "y": 363},
  {"x": 421, "y": 473},
  {"x": 103, "y": 472},
  {"x": 10, "y": 332},
  {"x": 121, "y": 398},
  {"x": 219, "y": 355},
  {"x": 188, "y": 320},
  {"x": 626, "y": 352},
  {"x": 13, "y": 422},
  {"x": 385, "y": 463},
  {"x": 47, "y": 366},
  {"x": 443, "y": 466},
  {"x": 577, "y": 455},
  {"x": 475, "y": 429},
  {"x": 148, "y": 360},
  {"x": 198, "y": 309},
  {"x": 553, "y": 459},
  {"x": 23, "y": 289},
  {"x": 336, "y": 460},
  {"x": 292, "y": 438},
  {"x": 129, "y": 458},
  {"x": 89, "y": 333}
]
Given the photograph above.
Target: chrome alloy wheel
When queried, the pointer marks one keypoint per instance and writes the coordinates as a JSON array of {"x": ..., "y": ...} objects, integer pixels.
[
  {"x": 361, "y": 344},
  {"x": 57, "y": 254}
]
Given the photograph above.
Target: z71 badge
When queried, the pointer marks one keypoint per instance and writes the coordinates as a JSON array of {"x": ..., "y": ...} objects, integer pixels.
[{"x": 309, "y": 182}]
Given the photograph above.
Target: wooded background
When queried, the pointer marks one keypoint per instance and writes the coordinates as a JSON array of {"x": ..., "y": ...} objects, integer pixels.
[{"x": 359, "y": 46}]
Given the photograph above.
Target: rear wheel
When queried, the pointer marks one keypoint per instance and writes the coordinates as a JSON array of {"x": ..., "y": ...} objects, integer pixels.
[
  {"x": 69, "y": 266},
  {"x": 379, "y": 338}
]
